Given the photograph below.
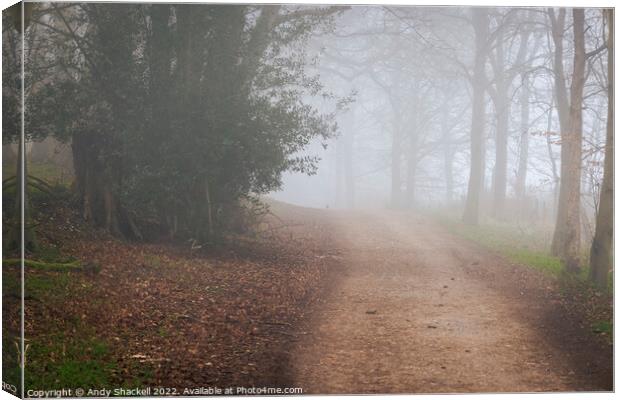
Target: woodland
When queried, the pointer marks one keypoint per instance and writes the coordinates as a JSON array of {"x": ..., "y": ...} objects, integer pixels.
[{"x": 227, "y": 195}]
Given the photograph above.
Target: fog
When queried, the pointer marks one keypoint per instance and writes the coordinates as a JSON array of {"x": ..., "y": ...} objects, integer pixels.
[
  {"x": 406, "y": 129},
  {"x": 317, "y": 199},
  {"x": 178, "y": 119}
]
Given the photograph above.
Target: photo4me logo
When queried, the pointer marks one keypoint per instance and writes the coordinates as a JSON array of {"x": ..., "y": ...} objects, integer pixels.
[
  {"x": 268, "y": 390},
  {"x": 240, "y": 390}
]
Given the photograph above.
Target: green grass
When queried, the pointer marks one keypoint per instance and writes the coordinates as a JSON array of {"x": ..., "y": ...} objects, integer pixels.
[
  {"x": 55, "y": 359},
  {"x": 11, "y": 372},
  {"x": 61, "y": 361},
  {"x": 81, "y": 359},
  {"x": 542, "y": 262},
  {"x": 10, "y": 283},
  {"x": 162, "y": 332},
  {"x": 42, "y": 286},
  {"x": 530, "y": 247},
  {"x": 152, "y": 261},
  {"x": 11, "y": 293},
  {"x": 51, "y": 254},
  {"x": 603, "y": 327},
  {"x": 66, "y": 352},
  {"x": 527, "y": 247},
  {"x": 39, "y": 287},
  {"x": 49, "y": 172}
]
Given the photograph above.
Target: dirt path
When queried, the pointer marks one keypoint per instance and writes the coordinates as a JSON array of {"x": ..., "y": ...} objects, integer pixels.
[{"x": 415, "y": 310}]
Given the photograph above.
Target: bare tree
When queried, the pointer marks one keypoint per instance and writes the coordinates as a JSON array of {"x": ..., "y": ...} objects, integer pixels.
[
  {"x": 504, "y": 73},
  {"x": 480, "y": 21},
  {"x": 566, "y": 238},
  {"x": 524, "y": 136},
  {"x": 601, "y": 250}
]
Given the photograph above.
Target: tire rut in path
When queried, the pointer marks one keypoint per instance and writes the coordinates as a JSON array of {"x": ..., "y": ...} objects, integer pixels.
[{"x": 412, "y": 313}]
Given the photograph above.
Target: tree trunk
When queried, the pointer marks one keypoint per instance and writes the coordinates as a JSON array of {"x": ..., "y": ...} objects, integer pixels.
[
  {"x": 504, "y": 75},
  {"x": 96, "y": 183},
  {"x": 160, "y": 46},
  {"x": 21, "y": 219},
  {"x": 525, "y": 138},
  {"x": 566, "y": 238},
  {"x": 501, "y": 102},
  {"x": 412, "y": 164},
  {"x": 601, "y": 250},
  {"x": 209, "y": 210},
  {"x": 412, "y": 154},
  {"x": 500, "y": 170},
  {"x": 559, "y": 82},
  {"x": 348, "y": 168},
  {"x": 339, "y": 173},
  {"x": 87, "y": 166},
  {"x": 448, "y": 151},
  {"x": 396, "y": 162},
  {"x": 554, "y": 169},
  {"x": 478, "y": 82},
  {"x": 111, "y": 210}
]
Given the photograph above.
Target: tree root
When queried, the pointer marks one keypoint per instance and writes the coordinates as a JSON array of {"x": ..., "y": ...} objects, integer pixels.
[{"x": 52, "y": 266}]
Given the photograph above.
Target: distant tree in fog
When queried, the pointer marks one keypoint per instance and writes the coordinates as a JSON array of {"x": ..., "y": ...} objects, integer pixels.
[
  {"x": 505, "y": 68},
  {"x": 478, "y": 80}
]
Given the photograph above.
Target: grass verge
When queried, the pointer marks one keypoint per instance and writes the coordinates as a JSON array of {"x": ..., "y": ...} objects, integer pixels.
[
  {"x": 530, "y": 247},
  {"x": 65, "y": 352},
  {"x": 522, "y": 247}
]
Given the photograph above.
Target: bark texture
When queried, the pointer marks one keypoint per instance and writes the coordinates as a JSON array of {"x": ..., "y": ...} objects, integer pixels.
[{"x": 567, "y": 235}]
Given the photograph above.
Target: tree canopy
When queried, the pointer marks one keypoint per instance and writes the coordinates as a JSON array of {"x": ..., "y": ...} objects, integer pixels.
[{"x": 178, "y": 115}]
